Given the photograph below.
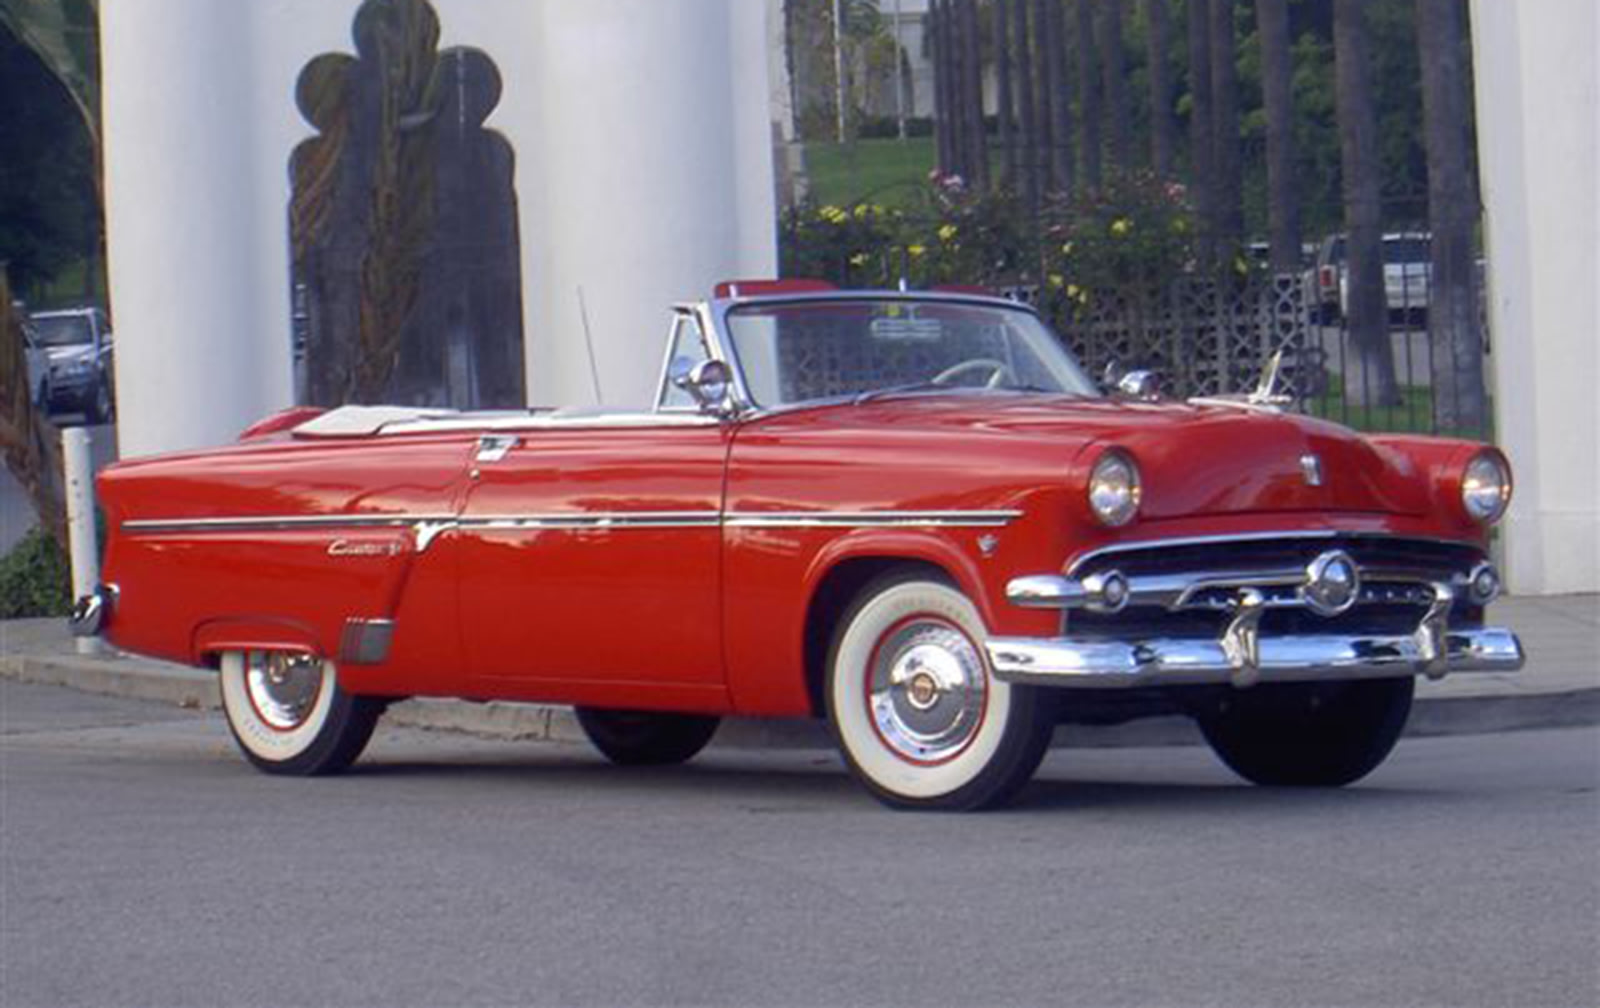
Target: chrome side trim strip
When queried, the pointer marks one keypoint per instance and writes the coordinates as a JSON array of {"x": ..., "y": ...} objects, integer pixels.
[
  {"x": 593, "y": 520},
  {"x": 281, "y": 522},
  {"x": 870, "y": 519},
  {"x": 430, "y": 525}
]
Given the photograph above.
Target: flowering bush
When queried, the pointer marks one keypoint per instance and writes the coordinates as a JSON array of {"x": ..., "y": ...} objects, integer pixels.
[
  {"x": 1131, "y": 238},
  {"x": 1128, "y": 240}
]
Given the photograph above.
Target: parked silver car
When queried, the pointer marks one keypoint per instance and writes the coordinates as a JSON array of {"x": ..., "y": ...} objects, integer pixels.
[{"x": 76, "y": 375}]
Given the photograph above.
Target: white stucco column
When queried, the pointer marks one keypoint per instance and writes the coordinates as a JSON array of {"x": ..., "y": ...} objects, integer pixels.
[
  {"x": 202, "y": 346},
  {"x": 643, "y": 172},
  {"x": 646, "y": 178},
  {"x": 1537, "y": 120}
]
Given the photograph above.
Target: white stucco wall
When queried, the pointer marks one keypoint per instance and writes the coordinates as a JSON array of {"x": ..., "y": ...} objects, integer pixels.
[
  {"x": 644, "y": 175},
  {"x": 1538, "y": 108}
]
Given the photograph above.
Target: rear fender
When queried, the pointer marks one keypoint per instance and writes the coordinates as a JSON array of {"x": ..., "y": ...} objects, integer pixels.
[{"x": 214, "y": 637}]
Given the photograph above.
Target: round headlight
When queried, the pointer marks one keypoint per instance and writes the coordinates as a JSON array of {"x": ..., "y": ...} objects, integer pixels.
[
  {"x": 1486, "y": 487},
  {"x": 1114, "y": 489}
]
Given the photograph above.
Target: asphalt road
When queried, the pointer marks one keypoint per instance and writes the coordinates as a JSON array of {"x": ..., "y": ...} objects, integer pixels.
[{"x": 144, "y": 864}]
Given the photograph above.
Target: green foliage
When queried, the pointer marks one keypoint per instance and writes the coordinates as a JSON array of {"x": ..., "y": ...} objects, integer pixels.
[
  {"x": 35, "y": 579},
  {"x": 64, "y": 35},
  {"x": 49, "y": 207}
]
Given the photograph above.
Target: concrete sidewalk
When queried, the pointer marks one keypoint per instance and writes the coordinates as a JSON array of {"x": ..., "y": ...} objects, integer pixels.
[{"x": 1559, "y": 686}]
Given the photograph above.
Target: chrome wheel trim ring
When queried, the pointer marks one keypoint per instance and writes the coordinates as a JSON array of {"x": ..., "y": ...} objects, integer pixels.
[
  {"x": 927, "y": 690},
  {"x": 282, "y": 688}
]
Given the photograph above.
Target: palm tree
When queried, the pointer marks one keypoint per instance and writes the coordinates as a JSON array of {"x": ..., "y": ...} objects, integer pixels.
[
  {"x": 1201, "y": 176},
  {"x": 944, "y": 106},
  {"x": 1161, "y": 127},
  {"x": 977, "y": 140},
  {"x": 1026, "y": 107},
  {"x": 1228, "y": 185},
  {"x": 1061, "y": 175},
  {"x": 1373, "y": 380},
  {"x": 1048, "y": 98},
  {"x": 1089, "y": 108},
  {"x": 1457, "y": 341},
  {"x": 1002, "y": 72},
  {"x": 1283, "y": 214},
  {"x": 1115, "y": 72}
]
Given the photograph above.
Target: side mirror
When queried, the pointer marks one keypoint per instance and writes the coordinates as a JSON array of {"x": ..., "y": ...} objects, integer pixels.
[
  {"x": 708, "y": 382},
  {"x": 1142, "y": 385}
]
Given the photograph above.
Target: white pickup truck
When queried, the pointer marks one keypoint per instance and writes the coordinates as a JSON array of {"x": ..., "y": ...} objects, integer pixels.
[{"x": 1406, "y": 271}]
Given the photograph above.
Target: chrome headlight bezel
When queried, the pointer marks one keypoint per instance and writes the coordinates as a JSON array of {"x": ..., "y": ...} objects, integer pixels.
[
  {"x": 1114, "y": 489},
  {"x": 1486, "y": 487}
]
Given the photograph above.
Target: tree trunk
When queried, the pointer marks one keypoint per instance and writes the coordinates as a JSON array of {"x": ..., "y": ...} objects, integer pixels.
[
  {"x": 1453, "y": 330},
  {"x": 1229, "y": 184},
  {"x": 1055, "y": 31},
  {"x": 1161, "y": 127},
  {"x": 1201, "y": 175},
  {"x": 1372, "y": 381},
  {"x": 972, "y": 93},
  {"x": 943, "y": 119},
  {"x": 1047, "y": 97},
  {"x": 29, "y": 443},
  {"x": 1002, "y": 70},
  {"x": 1277, "y": 71},
  {"x": 1027, "y": 108},
  {"x": 1089, "y": 108},
  {"x": 1114, "y": 66}
]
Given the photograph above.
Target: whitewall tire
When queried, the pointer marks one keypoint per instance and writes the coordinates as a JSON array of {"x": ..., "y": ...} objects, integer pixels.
[
  {"x": 289, "y": 716},
  {"x": 915, "y": 708}
]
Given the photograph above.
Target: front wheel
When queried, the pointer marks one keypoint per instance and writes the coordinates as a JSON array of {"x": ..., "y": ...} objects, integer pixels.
[
  {"x": 915, "y": 709},
  {"x": 1309, "y": 734},
  {"x": 289, "y": 716},
  {"x": 646, "y": 738},
  {"x": 100, "y": 404}
]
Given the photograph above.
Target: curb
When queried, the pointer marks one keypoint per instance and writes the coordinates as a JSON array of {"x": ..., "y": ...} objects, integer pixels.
[{"x": 138, "y": 679}]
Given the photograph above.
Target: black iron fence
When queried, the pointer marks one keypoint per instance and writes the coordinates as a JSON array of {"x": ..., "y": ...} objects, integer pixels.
[{"x": 1205, "y": 338}]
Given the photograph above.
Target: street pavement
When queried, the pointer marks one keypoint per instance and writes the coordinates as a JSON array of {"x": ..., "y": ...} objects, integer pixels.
[{"x": 144, "y": 863}]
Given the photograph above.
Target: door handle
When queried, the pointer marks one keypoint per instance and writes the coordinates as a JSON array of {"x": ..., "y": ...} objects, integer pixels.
[{"x": 493, "y": 447}]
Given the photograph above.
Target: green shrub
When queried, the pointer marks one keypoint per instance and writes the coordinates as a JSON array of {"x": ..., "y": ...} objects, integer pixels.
[{"x": 35, "y": 579}]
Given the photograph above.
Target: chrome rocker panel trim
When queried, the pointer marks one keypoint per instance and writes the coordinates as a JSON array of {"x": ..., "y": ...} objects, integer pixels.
[{"x": 1066, "y": 662}]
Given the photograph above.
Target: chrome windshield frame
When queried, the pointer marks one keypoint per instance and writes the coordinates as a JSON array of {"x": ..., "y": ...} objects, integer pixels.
[{"x": 714, "y": 315}]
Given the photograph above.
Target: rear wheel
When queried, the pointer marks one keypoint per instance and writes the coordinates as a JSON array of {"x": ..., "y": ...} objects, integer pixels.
[
  {"x": 915, "y": 709},
  {"x": 646, "y": 738},
  {"x": 289, "y": 716},
  {"x": 1310, "y": 734}
]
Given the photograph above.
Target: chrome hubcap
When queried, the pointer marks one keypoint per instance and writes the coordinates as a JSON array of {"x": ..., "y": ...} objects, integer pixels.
[
  {"x": 927, "y": 690},
  {"x": 283, "y": 688}
]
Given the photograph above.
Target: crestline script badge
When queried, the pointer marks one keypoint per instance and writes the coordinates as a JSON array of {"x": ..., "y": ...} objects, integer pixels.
[{"x": 347, "y": 548}]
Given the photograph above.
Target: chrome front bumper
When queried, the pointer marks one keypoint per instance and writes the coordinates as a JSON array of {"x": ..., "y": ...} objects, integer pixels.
[
  {"x": 1063, "y": 661},
  {"x": 1242, "y": 594}
]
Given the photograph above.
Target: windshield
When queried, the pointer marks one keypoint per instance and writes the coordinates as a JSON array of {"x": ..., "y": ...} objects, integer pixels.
[
  {"x": 62, "y": 330},
  {"x": 1405, "y": 250},
  {"x": 801, "y": 351}
]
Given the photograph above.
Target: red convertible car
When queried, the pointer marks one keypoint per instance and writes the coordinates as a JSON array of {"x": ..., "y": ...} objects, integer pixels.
[{"x": 912, "y": 514}]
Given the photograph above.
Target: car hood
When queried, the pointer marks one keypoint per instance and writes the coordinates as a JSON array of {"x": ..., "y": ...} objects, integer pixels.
[{"x": 1193, "y": 460}]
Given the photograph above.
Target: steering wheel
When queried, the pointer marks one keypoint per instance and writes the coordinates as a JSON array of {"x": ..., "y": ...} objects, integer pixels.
[{"x": 999, "y": 372}]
